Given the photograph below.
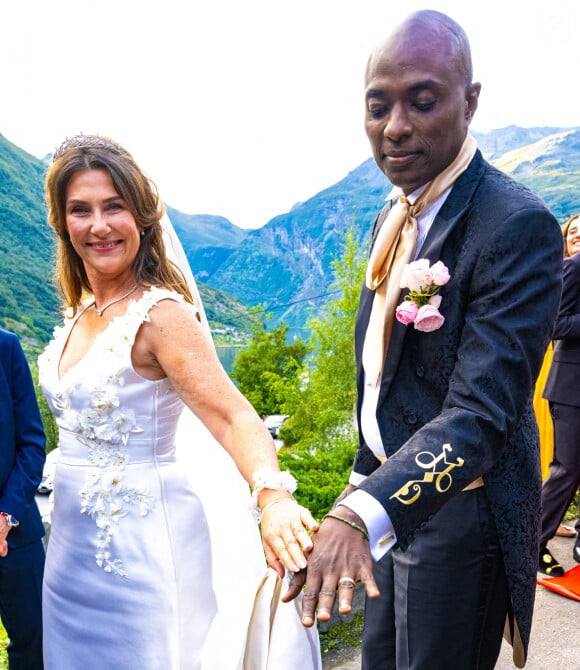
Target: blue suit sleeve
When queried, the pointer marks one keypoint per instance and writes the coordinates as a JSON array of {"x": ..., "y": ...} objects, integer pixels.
[{"x": 17, "y": 494}]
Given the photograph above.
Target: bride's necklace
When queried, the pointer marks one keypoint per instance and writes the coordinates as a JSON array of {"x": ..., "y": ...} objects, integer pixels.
[{"x": 125, "y": 295}]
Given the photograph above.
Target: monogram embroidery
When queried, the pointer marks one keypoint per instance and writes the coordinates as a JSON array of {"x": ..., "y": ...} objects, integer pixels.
[{"x": 410, "y": 492}]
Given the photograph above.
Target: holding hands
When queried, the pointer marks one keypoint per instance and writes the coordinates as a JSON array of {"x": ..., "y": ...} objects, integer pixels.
[
  {"x": 338, "y": 554},
  {"x": 340, "y": 557},
  {"x": 285, "y": 534}
]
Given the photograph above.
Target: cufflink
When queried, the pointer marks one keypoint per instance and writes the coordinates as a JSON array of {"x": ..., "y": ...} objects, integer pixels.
[
  {"x": 11, "y": 522},
  {"x": 385, "y": 540}
]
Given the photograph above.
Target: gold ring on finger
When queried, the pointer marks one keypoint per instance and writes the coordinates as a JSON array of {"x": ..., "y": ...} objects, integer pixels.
[{"x": 346, "y": 582}]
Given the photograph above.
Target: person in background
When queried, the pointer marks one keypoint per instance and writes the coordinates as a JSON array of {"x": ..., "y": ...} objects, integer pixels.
[
  {"x": 562, "y": 390},
  {"x": 22, "y": 455},
  {"x": 441, "y": 519},
  {"x": 128, "y": 581}
]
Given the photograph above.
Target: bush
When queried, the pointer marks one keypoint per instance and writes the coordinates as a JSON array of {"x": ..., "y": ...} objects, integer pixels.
[{"x": 322, "y": 471}]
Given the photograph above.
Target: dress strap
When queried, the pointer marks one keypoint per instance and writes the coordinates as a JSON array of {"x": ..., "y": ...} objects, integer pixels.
[{"x": 138, "y": 310}]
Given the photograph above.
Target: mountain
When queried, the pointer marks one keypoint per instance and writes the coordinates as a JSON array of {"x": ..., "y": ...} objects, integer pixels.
[
  {"x": 284, "y": 266},
  {"x": 495, "y": 143},
  {"x": 550, "y": 166},
  {"x": 207, "y": 240},
  {"x": 28, "y": 299},
  {"x": 224, "y": 309}
]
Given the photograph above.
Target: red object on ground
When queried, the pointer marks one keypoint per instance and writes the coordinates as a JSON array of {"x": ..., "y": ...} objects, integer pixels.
[{"x": 568, "y": 585}]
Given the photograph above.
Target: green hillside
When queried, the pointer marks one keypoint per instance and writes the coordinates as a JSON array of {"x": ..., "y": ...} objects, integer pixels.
[
  {"x": 285, "y": 265},
  {"x": 28, "y": 301},
  {"x": 550, "y": 167}
]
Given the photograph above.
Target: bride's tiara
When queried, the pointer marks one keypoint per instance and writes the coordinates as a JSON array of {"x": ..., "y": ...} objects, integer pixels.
[{"x": 89, "y": 142}]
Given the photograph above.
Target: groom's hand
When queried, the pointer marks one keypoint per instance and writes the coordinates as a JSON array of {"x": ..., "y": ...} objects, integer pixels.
[{"x": 340, "y": 557}]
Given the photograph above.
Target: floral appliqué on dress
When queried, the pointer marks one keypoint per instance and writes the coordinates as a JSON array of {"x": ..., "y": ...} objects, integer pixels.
[{"x": 104, "y": 425}]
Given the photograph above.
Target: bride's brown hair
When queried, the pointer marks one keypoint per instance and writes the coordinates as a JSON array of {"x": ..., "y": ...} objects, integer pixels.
[{"x": 94, "y": 152}]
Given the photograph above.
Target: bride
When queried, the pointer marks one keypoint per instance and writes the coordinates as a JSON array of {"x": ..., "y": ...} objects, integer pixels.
[{"x": 154, "y": 560}]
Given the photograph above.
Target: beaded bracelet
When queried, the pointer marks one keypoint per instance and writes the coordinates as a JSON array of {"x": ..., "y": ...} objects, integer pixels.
[{"x": 352, "y": 524}]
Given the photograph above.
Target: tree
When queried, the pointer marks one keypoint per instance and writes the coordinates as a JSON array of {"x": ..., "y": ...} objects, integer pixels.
[
  {"x": 48, "y": 420},
  {"x": 327, "y": 402},
  {"x": 268, "y": 371},
  {"x": 321, "y": 427}
]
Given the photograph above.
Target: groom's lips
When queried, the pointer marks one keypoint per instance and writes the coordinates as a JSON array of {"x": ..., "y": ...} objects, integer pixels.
[{"x": 399, "y": 158}]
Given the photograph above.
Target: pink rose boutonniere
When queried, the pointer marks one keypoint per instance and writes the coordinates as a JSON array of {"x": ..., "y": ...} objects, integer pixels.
[{"x": 421, "y": 305}]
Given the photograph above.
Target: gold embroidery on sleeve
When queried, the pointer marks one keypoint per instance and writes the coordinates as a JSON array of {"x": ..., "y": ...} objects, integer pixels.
[{"x": 410, "y": 492}]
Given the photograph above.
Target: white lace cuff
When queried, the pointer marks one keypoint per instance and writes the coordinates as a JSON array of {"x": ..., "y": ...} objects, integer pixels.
[{"x": 268, "y": 478}]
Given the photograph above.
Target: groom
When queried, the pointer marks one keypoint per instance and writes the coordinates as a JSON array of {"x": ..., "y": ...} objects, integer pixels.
[{"x": 442, "y": 518}]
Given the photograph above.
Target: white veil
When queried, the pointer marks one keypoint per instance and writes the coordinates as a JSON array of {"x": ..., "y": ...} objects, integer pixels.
[
  {"x": 245, "y": 635},
  {"x": 176, "y": 253},
  {"x": 226, "y": 499}
]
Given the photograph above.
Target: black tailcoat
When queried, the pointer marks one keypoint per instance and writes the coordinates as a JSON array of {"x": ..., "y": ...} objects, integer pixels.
[{"x": 469, "y": 384}]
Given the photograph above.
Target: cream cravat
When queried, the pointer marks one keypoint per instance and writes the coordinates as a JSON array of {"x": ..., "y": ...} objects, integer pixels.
[{"x": 395, "y": 247}]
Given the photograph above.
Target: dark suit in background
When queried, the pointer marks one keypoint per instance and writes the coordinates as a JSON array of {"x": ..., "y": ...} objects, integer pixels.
[
  {"x": 562, "y": 390},
  {"x": 22, "y": 455}
]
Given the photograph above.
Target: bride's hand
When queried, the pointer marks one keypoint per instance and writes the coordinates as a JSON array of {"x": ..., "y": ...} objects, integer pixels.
[{"x": 285, "y": 534}]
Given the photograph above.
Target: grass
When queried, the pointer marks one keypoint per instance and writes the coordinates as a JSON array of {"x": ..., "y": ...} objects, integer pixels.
[
  {"x": 343, "y": 635},
  {"x": 574, "y": 509},
  {"x": 3, "y": 645}
]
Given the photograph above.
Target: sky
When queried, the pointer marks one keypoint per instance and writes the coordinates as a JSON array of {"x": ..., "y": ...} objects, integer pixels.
[{"x": 242, "y": 108}]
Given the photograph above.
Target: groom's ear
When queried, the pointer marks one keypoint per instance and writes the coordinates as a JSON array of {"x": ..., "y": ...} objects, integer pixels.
[{"x": 471, "y": 100}]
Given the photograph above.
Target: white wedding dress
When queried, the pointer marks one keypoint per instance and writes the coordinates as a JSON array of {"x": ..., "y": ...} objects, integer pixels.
[{"x": 130, "y": 580}]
